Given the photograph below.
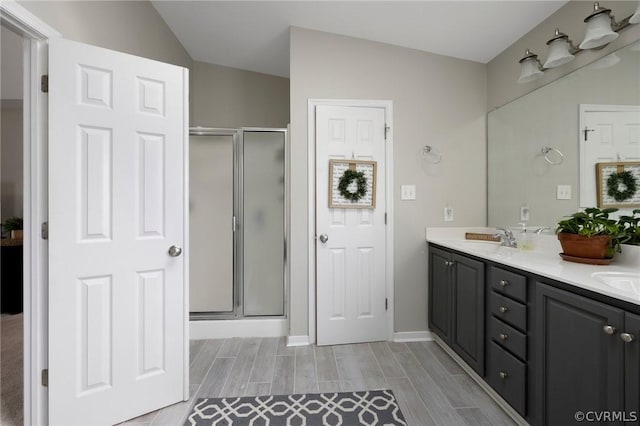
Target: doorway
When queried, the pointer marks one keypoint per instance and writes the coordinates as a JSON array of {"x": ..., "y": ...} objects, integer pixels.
[
  {"x": 11, "y": 217},
  {"x": 237, "y": 216}
]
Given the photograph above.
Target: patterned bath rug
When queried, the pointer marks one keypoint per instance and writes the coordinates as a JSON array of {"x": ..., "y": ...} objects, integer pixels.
[{"x": 370, "y": 408}]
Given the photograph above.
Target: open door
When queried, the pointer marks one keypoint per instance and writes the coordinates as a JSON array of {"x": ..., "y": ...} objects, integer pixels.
[{"x": 117, "y": 278}]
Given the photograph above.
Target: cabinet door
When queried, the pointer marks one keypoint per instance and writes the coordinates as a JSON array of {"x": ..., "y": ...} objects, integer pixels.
[
  {"x": 578, "y": 366},
  {"x": 440, "y": 293},
  {"x": 632, "y": 365},
  {"x": 467, "y": 337}
]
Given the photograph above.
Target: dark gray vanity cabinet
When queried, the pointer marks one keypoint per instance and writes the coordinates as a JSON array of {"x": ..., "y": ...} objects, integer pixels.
[
  {"x": 579, "y": 356},
  {"x": 631, "y": 338},
  {"x": 456, "y": 304}
]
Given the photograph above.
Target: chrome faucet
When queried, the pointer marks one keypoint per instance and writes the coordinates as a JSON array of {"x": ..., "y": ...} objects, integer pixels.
[
  {"x": 541, "y": 230},
  {"x": 507, "y": 239}
]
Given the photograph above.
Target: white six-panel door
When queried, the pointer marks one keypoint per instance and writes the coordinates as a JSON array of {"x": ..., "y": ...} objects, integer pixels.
[
  {"x": 351, "y": 264},
  {"x": 117, "y": 136}
]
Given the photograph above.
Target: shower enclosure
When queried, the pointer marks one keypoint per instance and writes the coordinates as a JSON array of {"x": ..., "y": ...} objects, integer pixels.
[{"x": 237, "y": 222}]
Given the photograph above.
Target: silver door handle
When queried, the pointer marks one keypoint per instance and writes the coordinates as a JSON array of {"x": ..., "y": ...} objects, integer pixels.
[
  {"x": 323, "y": 238},
  {"x": 627, "y": 337},
  {"x": 175, "y": 251},
  {"x": 609, "y": 329}
]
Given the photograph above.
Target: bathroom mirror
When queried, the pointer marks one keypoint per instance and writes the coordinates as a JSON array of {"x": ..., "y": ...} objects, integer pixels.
[{"x": 523, "y": 185}]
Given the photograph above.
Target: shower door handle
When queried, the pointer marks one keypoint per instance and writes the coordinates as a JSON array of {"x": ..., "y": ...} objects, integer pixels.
[
  {"x": 175, "y": 251},
  {"x": 323, "y": 238}
]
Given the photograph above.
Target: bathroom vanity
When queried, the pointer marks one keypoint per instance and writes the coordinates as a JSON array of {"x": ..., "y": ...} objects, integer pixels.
[{"x": 557, "y": 341}]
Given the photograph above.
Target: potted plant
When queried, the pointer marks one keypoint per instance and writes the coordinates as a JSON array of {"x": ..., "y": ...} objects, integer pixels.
[
  {"x": 13, "y": 227},
  {"x": 630, "y": 225},
  {"x": 590, "y": 234}
]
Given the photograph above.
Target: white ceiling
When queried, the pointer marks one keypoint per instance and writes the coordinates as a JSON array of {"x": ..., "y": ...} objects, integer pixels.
[{"x": 254, "y": 35}]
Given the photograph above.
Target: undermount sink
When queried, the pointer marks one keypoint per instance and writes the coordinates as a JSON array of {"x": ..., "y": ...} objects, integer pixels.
[
  {"x": 488, "y": 247},
  {"x": 628, "y": 282}
]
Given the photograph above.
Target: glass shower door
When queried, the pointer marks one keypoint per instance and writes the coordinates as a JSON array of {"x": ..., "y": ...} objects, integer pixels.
[
  {"x": 263, "y": 242},
  {"x": 211, "y": 192}
]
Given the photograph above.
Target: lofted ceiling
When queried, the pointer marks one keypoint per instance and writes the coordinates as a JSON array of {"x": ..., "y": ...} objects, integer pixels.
[{"x": 254, "y": 35}]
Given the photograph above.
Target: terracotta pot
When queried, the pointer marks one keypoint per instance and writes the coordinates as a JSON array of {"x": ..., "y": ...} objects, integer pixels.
[
  {"x": 17, "y": 234},
  {"x": 595, "y": 247}
]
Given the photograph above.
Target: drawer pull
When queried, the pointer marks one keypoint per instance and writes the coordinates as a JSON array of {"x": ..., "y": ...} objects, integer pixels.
[
  {"x": 503, "y": 375},
  {"x": 609, "y": 329},
  {"x": 503, "y": 283},
  {"x": 503, "y": 336},
  {"x": 503, "y": 309},
  {"x": 627, "y": 337}
]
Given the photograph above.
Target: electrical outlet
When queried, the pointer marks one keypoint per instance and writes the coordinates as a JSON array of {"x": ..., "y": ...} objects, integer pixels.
[
  {"x": 448, "y": 214},
  {"x": 563, "y": 192},
  {"x": 407, "y": 192},
  {"x": 524, "y": 213}
]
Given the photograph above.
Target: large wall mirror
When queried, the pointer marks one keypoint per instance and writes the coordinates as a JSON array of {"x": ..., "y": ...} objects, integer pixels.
[{"x": 535, "y": 143}]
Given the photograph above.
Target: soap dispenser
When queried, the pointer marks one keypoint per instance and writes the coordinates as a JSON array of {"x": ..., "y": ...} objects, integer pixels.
[{"x": 524, "y": 238}]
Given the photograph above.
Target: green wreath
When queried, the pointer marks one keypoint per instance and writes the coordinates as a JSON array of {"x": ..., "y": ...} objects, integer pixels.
[
  {"x": 625, "y": 178},
  {"x": 346, "y": 179}
]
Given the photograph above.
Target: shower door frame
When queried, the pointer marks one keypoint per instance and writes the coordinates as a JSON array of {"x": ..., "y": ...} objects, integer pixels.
[{"x": 237, "y": 135}]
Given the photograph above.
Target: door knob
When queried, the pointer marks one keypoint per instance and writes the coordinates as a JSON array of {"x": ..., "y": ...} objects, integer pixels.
[
  {"x": 175, "y": 251},
  {"x": 323, "y": 238},
  {"x": 609, "y": 329}
]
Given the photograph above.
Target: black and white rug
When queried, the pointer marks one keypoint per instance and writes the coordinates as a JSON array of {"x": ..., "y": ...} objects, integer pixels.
[{"x": 321, "y": 409}]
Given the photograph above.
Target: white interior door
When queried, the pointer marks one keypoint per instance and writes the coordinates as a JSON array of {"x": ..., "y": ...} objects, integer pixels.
[
  {"x": 612, "y": 134},
  {"x": 351, "y": 264},
  {"x": 117, "y": 314}
]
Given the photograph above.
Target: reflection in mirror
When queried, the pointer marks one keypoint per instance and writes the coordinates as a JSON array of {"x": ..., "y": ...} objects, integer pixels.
[{"x": 521, "y": 181}]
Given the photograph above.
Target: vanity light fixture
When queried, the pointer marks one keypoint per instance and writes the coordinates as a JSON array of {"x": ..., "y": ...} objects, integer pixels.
[
  {"x": 602, "y": 29},
  {"x": 560, "y": 50},
  {"x": 530, "y": 67}
]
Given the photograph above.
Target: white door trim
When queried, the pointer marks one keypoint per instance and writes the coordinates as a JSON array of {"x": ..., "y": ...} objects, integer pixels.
[
  {"x": 35, "y": 270},
  {"x": 311, "y": 167}
]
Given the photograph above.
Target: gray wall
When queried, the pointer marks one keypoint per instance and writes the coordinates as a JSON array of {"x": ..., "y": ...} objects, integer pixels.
[
  {"x": 230, "y": 97},
  {"x": 503, "y": 71},
  {"x": 11, "y": 153},
  {"x": 127, "y": 26},
  {"x": 438, "y": 101}
]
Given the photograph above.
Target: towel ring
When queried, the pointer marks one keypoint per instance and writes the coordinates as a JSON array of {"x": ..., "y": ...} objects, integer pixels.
[
  {"x": 546, "y": 151},
  {"x": 428, "y": 151}
]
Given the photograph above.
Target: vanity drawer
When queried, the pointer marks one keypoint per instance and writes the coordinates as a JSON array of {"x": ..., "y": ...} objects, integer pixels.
[
  {"x": 508, "y": 310},
  {"x": 509, "y": 283},
  {"x": 507, "y": 375},
  {"x": 509, "y": 338}
]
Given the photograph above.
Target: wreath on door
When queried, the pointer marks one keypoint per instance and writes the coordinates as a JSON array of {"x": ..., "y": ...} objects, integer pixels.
[
  {"x": 627, "y": 180},
  {"x": 345, "y": 181}
]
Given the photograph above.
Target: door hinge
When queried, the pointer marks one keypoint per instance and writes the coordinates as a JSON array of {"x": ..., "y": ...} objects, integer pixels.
[
  {"x": 385, "y": 218},
  {"x": 44, "y": 230},
  {"x": 386, "y": 304},
  {"x": 386, "y": 131},
  {"x": 45, "y": 377},
  {"x": 44, "y": 84},
  {"x": 233, "y": 224}
]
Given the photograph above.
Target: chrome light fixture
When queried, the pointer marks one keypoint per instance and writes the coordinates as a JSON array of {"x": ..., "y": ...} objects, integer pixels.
[
  {"x": 602, "y": 29},
  {"x": 560, "y": 50},
  {"x": 599, "y": 31},
  {"x": 530, "y": 67}
]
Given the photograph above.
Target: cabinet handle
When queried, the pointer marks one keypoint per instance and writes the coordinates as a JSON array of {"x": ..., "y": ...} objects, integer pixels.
[
  {"x": 627, "y": 337},
  {"x": 503, "y": 309},
  {"x": 503, "y": 375},
  {"x": 448, "y": 263},
  {"x": 504, "y": 283},
  {"x": 609, "y": 329},
  {"x": 503, "y": 336}
]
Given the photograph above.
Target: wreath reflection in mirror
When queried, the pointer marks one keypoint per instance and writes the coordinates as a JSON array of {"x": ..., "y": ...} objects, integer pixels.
[
  {"x": 618, "y": 184},
  {"x": 352, "y": 184}
]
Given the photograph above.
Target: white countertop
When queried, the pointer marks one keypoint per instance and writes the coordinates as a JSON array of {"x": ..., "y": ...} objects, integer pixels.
[{"x": 544, "y": 260}]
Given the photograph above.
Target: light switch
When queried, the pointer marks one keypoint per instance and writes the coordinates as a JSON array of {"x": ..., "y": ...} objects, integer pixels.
[
  {"x": 407, "y": 192},
  {"x": 563, "y": 192}
]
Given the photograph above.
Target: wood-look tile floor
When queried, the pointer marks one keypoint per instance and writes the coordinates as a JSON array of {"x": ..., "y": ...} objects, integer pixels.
[{"x": 430, "y": 387}]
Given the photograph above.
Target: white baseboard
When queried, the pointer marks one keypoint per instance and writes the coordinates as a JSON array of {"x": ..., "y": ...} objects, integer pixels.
[
  {"x": 298, "y": 341},
  {"x": 225, "y": 329},
  {"x": 412, "y": 336}
]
